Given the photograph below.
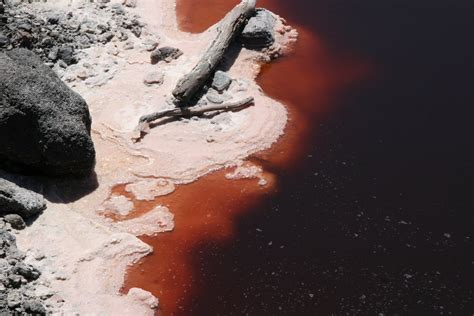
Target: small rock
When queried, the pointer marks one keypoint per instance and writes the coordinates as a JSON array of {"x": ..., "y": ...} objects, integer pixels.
[
  {"x": 150, "y": 44},
  {"x": 53, "y": 54},
  {"x": 34, "y": 307},
  {"x": 106, "y": 37},
  {"x": 130, "y": 3},
  {"x": 215, "y": 98},
  {"x": 221, "y": 81},
  {"x": 118, "y": 9},
  {"x": 66, "y": 54},
  {"x": 15, "y": 280},
  {"x": 166, "y": 54},
  {"x": 154, "y": 77},
  {"x": 4, "y": 41},
  {"x": 19, "y": 200},
  {"x": 16, "y": 221},
  {"x": 128, "y": 45},
  {"x": 14, "y": 299},
  {"x": 27, "y": 271},
  {"x": 54, "y": 19},
  {"x": 112, "y": 50},
  {"x": 137, "y": 31}
]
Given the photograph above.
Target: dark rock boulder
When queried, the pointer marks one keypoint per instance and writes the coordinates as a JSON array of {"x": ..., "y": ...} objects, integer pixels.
[
  {"x": 44, "y": 125},
  {"x": 14, "y": 199},
  {"x": 260, "y": 29},
  {"x": 166, "y": 54}
]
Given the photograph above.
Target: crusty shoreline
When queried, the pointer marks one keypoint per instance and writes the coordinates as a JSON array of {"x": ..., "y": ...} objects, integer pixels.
[{"x": 86, "y": 255}]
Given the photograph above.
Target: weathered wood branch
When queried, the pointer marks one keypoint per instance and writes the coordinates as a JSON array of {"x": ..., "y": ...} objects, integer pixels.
[
  {"x": 229, "y": 27},
  {"x": 144, "y": 123}
]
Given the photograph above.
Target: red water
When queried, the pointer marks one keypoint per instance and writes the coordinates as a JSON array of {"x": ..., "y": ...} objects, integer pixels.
[{"x": 205, "y": 212}]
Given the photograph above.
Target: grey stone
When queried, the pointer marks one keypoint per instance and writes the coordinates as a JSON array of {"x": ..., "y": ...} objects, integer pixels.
[
  {"x": 14, "y": 281},
  {"x": 44, "y": 125},
  {"x": 221, "y": 81},
  {"x": 27, "y": 271},
  {"x": 66, "y": 54},
  {"x": 118, "y": 9},
  {"x": 215, "y": 98},
  {"x": 259, "y": 31},
  {"x": 14, "y": 299},
  {"x": 4, "y": 40},
  {"x": 166, "y": 54},
  {"x": 14, "y": 199},
  {"x": 128, "y": 45},
  {"x": 130, "y": 3},
  {"x": 154, "y": 77},
  {"x": 15, "y": 220},
  {"x": 150, "y": 44},
  {"x": 106, "y": 37},
  {"x": 34, "y": 307}
]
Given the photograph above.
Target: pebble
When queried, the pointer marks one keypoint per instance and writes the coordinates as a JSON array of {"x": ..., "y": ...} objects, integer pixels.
[
  {"x": 15, "y": 220},
  {"x": 154, "y": 78},
  {"x": 221, "y": 81}
]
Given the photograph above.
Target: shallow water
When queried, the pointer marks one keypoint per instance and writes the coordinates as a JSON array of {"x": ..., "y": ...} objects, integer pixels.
[{"x": 371, "y": 207}]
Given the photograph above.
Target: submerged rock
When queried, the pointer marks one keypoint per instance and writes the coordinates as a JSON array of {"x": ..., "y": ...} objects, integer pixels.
[
  {"x": 259, "y": 31},
  {"x": 14, "y": 199},
  {"x": 44, "y": 125}
]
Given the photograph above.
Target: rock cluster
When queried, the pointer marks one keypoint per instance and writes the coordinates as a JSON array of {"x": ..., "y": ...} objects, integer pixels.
[
  {"x": 44, "y": 125},
  {"x": 56, "y": 36},
  {"x": 17, "y": 279},
  {"x": 217, "y": 92}
]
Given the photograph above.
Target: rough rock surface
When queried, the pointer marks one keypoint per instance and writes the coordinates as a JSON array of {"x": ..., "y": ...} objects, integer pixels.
[
  {"x": 57, "y": 36},
  {"x": 15, "y": 220},
  {"x": 259, "y": 31},
  {"x": 14, "y": 199},
  {"x": 44, "y": 125},
  {"x": 221, "y": 81},
  {"x": 17, "y": 279},
  {"x": 166, "y": 54}
]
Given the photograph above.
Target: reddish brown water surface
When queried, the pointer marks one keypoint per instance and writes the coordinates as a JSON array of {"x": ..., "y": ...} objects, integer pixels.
[
  {"x": 369, "y": 210},
  {"x": 205, "y": 211}
]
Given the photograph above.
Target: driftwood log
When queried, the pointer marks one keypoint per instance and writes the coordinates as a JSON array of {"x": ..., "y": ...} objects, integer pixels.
[
  {"x": 144, "y": 124},
  {"x": 229, "y": 27}
]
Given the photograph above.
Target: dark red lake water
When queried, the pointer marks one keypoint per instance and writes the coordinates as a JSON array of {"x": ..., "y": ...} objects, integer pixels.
[{"x": 371, "y": 209}]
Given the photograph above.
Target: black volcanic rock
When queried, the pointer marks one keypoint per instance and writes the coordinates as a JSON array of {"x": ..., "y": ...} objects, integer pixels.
[
  {"x": 44, "y": 125},
  {"x": 259, "y": 30}
]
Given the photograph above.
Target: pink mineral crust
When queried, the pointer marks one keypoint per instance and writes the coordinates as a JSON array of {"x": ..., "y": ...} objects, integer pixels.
[{"x": 89, "y": 252}]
